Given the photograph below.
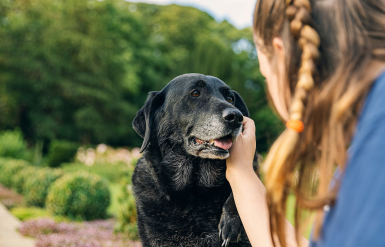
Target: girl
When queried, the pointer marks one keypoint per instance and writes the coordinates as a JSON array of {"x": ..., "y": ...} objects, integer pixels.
[{"x": 324, "y": 63}]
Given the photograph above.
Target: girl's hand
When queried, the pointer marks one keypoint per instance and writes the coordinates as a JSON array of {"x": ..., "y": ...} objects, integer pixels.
[{"x": 243, "y": 150}]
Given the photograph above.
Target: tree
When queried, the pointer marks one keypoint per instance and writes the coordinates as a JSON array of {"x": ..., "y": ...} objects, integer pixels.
[
  {"x": 79, "y": 70},
  {"x": 69, "y": 66}
]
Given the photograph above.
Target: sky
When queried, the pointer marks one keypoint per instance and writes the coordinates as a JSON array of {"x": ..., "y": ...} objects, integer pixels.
[{"x": 237, "y": 12}]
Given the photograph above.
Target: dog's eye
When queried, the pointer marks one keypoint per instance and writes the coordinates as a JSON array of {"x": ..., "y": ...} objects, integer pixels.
[
  {"x": 195, "y": 93},
  {"x": 230, "y": 99}
]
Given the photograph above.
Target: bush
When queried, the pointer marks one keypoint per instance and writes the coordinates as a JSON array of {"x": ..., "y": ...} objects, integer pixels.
[
  {"x": 36, "y": 187},
  {"x": 29, "y": 213},
  {"x": 13, "y": 145},
  {"x": 23, "y": 213},
  {"x": 126, "y": 214},
  {"x": 20, "y": 178},
  {"x": 60, "y": 152},
  {"x": 112, "y": 173},
  {"x": 10, "y": 168},
  {"x": 79, "y": 196}
]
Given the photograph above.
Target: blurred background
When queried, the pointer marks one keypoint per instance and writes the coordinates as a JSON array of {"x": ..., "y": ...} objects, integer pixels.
[{"x": 74, "y": 73}]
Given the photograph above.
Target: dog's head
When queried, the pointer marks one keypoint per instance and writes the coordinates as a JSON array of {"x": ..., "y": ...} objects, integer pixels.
[{"x": 202, "y": 111}]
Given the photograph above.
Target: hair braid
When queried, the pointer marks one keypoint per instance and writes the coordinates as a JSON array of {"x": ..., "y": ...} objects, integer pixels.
[
  {"x": 298, "y": 13},
  {"x": 328, "y": 93}
]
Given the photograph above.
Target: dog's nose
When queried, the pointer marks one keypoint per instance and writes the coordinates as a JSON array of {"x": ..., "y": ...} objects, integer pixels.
[{"x": 232, "y": 116}]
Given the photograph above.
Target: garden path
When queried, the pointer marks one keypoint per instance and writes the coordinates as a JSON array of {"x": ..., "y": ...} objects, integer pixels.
[{"x": 9, "y": 236}]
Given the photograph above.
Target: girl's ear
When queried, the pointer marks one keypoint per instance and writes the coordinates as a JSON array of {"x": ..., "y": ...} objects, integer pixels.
[{"x": 278, "y": 46}]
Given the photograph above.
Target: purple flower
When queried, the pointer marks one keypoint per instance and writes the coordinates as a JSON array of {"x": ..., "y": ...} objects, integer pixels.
[{"x": 99, "y": 233}]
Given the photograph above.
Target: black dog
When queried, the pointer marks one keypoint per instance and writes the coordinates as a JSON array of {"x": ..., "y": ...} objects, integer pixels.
[{"x": 179, "y": 184}]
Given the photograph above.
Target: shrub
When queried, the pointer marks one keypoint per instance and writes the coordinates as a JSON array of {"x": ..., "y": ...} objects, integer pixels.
[
  {"x": 60, "y": 152},
  {"x": 10, "y": 168},
  {"x": 113, "y": 173},
  {"x": 79, "y": 196},
  {"x": 13, "y": 145},
  {"x": 3, "y": 161},
  {"x": 21, "y": 177},
  {"x": 126, "y": 214},
  {"x": 28, "y": 213},
  {"x": 36, "y": 187}
]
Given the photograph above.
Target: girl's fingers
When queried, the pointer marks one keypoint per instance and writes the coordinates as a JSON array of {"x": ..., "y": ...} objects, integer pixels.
[{"x": 248, "y": 126}]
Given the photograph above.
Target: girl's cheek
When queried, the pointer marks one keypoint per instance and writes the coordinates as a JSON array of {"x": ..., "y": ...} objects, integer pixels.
[{"x": 262, "y": 63}]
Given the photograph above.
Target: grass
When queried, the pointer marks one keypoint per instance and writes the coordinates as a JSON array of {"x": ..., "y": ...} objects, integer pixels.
[
  {"x": 29, "y": 213},
  {"x": 290, "y": 215},
  {"x": 290, "y": 210},
  {"x": 115, "y": 190}
]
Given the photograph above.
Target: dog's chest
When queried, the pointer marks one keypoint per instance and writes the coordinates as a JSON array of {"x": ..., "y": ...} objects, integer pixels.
[
  {"x": 182, "y": 200},
  {"x": 184, "y": 174},
  {"x": 192, "y": 207},
  {"x": 190, "y": 215}
]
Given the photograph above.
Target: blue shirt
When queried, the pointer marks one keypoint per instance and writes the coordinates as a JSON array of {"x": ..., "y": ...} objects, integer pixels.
[{"x": 358, "y": 217}]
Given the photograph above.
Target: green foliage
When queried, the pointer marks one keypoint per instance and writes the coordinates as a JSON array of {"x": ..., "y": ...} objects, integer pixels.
[
  {"x": 75, "y": 69},
  {"x": 79, "y": 196},
  {"x": 266, "y": 120},
  {"x": 79, "y": 70},
  {"x": 20, "y": 178},
  {"x": 61, "y": 151},
  {"x": 112, "y": 173},
  {"x": 29, "y": 213},
  {"x": 13, "y": 145},
  {"x": 290, "y": 215},
  {"x": 8, "y": 169},
  {"x": 115, "y": 191},
  {"x": 36, "y": 187},
  {"x": 126, "y": 214}
]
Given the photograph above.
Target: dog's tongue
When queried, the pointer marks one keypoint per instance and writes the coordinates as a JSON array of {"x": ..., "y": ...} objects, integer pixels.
[{"x": 224, "y": 143}]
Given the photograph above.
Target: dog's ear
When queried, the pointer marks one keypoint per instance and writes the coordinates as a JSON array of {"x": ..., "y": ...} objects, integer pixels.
[
  {"x": 144, "y": 119},
  {"x": 240, "y": 104}
]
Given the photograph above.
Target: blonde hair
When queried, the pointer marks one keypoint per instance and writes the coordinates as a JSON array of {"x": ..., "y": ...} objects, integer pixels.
[{"x": 331, "y": 67}]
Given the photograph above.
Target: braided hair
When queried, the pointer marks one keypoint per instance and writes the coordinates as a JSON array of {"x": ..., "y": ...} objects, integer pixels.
[
  {"x": 298, "y": 14},
  {"x": 327, "y": 93}
]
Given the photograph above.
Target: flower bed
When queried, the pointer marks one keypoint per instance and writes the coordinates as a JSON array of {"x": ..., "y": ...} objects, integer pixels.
[
  {"x": 9, "y": 198},
  {"x": 99, "y": 233}
]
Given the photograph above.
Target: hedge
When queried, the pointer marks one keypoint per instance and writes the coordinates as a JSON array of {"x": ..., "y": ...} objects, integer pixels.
[
  {"x": 61, "y": 151},
  {"x": 79, "y": 196},
  {"x": 9, "y": 168},
  {"x": 36, "y": 187},
  {"x": 20, "y": 178}
]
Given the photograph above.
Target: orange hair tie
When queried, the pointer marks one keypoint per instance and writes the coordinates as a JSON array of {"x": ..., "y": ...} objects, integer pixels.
[{"x": 296, "y": 125}]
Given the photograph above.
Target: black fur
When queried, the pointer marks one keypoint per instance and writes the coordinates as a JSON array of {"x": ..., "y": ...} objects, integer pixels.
[{"x": 180, "y": 187}]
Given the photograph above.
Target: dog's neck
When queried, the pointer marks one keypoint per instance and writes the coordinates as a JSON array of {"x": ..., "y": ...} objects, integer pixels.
[{"x": 175, "y": 170}]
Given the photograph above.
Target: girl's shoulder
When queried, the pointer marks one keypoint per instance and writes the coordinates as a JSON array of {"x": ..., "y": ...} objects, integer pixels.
[
  {"x": 375, "y": 102},
  {"x": 358, "y": 217}
]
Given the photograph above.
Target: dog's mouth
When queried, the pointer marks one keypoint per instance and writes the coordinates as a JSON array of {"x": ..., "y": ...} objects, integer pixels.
[
  {"x": 223, "y": 143},
  {"x": 212, "y": 147},
  {"x": 217, "y": 148}
]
